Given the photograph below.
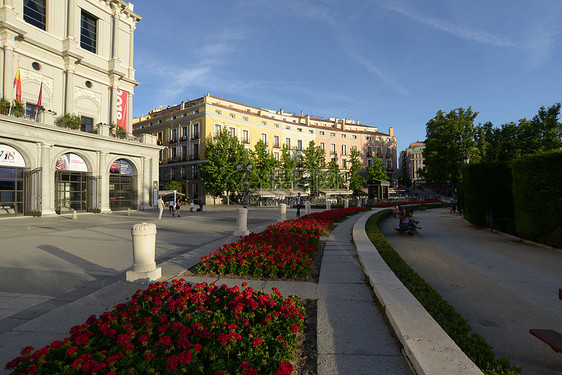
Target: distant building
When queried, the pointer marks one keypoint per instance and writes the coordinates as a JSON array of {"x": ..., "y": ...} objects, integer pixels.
[
  {"x": 411, "y": 161},
  {"x": 72, "y": 57},
  {"x": 183, "y": 129}
]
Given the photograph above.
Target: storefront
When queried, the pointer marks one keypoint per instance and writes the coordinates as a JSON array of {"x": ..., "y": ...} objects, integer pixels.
[
  {"x": 12, "y": 167},
  {"x": 122, "y": 185},
  {"x": 71, "y": 184}
]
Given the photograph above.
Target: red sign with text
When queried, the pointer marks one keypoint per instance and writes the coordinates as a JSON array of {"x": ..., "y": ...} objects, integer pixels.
[{"x": 122, "y": 97}]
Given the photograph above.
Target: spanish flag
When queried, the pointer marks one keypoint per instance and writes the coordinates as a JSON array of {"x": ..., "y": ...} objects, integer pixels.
[{"x": 17, "y": 84}]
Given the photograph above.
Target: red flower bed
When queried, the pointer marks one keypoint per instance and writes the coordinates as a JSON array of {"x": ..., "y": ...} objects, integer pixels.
[
  {"x": 283, "y": 250},
  {"x": 184, "y": 329}
]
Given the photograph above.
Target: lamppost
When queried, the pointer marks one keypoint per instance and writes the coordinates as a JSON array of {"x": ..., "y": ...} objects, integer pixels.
[{"x": 244, "y": 171}]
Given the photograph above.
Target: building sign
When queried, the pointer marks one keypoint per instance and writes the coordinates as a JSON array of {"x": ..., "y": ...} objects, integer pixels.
[
  {"x": 71, "y": 162},
  {"x": 121, "y": 166},
  {"x": 10, "y": 157},
  {"x": 122, "y": 104}
]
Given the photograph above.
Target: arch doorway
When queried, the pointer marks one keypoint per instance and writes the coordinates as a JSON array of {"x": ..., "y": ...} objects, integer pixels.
[
  {"x": 122, "y": 186},
  {"x": 12, "y": 166},
  {"x": 71, "y": 184}
]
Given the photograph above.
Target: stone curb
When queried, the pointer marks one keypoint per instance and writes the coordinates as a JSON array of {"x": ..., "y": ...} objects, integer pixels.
[{"x": 427, "y": 347}]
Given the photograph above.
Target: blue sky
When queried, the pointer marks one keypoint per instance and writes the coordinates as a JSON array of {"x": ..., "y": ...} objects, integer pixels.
[{"x": 386, "y": 63}]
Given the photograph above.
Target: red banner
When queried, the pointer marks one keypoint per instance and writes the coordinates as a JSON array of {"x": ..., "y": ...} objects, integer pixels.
[{"x": 122, "y": 105}]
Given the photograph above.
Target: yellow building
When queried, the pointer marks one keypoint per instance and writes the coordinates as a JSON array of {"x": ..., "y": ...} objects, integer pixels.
[{"x": 184, "y": 128}]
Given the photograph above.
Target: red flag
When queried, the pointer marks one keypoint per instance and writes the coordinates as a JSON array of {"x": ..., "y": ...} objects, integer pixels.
[
  {"x": 17, "y": 83},
  {"x": 40, "y": 96}
]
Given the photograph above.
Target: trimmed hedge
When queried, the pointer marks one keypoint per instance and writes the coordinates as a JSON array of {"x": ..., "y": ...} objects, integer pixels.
[
  {"x": 537, "y": 191},
  {"x": 472, "y": 344},
  {"x": 485, "y": 187}
]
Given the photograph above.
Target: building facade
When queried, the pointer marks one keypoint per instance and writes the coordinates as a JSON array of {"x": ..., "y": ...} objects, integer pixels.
[
  {"x": 412, "y": 161},
  {"x": 70, "y": 57},
  {"x": 183, "y": 130}
]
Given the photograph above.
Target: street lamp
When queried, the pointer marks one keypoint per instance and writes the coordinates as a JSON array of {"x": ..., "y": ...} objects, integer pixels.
[{"x": 244, "y": 171}]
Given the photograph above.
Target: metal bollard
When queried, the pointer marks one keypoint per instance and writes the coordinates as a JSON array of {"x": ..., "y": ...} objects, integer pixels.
[
  {"x": 241, "y": 222},
  {"x": 282, "y": 212},
  {"x": 307, "y": 206},
  {"x": 144, "y": 252}
]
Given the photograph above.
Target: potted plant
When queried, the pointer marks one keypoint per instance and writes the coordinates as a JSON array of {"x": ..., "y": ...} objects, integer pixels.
[{"x": 69, "y": 120}]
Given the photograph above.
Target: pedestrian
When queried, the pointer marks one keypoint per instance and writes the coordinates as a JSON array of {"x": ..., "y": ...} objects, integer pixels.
[
  {"x": 160, "y": 207},
  {"x": 191, "y": 206},
  {"x": 178, "y": 208},
  {"x": 171, "y": 203},
  {"x": 299, "y": 202}
]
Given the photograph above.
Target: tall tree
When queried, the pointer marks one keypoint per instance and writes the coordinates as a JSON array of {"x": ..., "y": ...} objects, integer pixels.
[
  {"x": 356, "y": 181},
  {"x": 219, "y": 173},
  {"x": 376, "y": 172},
  {"x": 450, "y": 142},
  {"x": 314, "y": 160},
  {"x": 287, "y": 168},
  {"x": 333, "y": 178},
  {"x": 263, "y": 166}
]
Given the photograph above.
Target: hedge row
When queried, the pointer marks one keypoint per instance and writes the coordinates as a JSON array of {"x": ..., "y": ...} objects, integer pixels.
[
  {"x": 525, "y": 196},
  {"x": 472, "y": 344}
]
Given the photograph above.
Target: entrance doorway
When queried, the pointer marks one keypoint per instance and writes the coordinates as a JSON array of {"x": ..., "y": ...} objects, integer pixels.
[
  {"x": 122, "y": 186},
  {"x": 71, "y": 190},
  {"x": 11, "y": 191}
]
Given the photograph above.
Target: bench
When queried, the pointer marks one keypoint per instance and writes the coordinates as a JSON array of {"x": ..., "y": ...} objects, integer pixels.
[{"x": 549, "y": 336}]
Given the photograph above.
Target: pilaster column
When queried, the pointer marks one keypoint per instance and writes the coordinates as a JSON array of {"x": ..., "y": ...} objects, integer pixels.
[
  {"x": 48, "y": 181},
  {"x": 71, "y": 16},
  {"x": 103, "y": 172},
  {"x": 145, "y": 192}
]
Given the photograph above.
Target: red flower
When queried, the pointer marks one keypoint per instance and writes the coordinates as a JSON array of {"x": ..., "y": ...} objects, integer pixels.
[
  {"x": 172, "y": 362},
  {"x": 148, "y": 356},
  {"x": 285, "y": 368},
  {"x": 294, "y": 328},
  {"x": 70, "y": 351},
  {"x": 257, "y": 342}
]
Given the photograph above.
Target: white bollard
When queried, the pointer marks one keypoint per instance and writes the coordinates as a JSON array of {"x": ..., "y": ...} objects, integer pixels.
[
  {"x": 241, "y": 222},
  {"x": 307, "y": 206},
  {"x": 358, "y": 202},
  {"x": 144, "y": 252},
  {"x": 345, "y": 203},
  {"x": 128, "y": 212},
  {"x": 282, "y": 212},
  {"x": 328, "y": 205},
  {"x": 74, "y": 215}
]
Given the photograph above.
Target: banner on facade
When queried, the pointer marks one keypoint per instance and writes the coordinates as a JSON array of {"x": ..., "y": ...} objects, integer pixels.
[
  {"x": 122, "y": 105},
  {"x": 10, "y": 157},
  {"x": 71, "y": 162},
  {"x": 121, "y": 166}
]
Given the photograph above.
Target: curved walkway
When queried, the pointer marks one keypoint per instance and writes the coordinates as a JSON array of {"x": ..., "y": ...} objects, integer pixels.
[{"x": 501, "y": 286}]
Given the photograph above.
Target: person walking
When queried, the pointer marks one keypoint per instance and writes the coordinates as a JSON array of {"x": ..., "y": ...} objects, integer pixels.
[
  {"x": 299, "y": 202},
  {"x": 178, "y": 208},
  {"x": 191, "y": 205},
  {"x": 160, "y": 207},
  {"x": 171, "y": 203}
]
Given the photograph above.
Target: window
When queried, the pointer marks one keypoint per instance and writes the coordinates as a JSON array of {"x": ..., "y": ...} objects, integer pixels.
[
  {"x": 245, "y": 136},
  {"x": 343, "y": 135},
  {"x": 34, "y": 13},
  {"x": 88, "y": 32},
  {"x": 275, "y": 141},
  {"x": 87, "y": 124},
  {"x": 174, "y": 152},
  {"x": 217, "y": 129},
  {"x": 388, "y": 164},
  {"x": 299, "y": 145},
  {"x": 184, "y": 151},
  {"x": 299, "y": 129},
  {"x": 264, "y": 122},
  {"x": 332, "y": 134},
  {"x": 333, "y": 148},
  {"x": 344, "y": 149},
  {"x": 232, "y": 131},
  {"x": 232, "y": 115},
  {"x": 195, "y": 131},
  {"x": 245, "y": 118},
  {"x": 276, "y": 156},
  {"x": 354, "y": 136},
  {"x": 184, "y": 132},
  {"x": 31, "y": 111},
  {"x": 322, "y": 145},
  {"x": 321, "y": 133},
  {"x": 369, "y": 151},
  {"x": 218, "y": 112},
  {"x": 264, "y": 138},
  {"x": 173, "y": 135},
  {"x": 369, "y": 163},
  {"x": 276, "y": 125},
  {"x": 311, "y": 131},
  {"x": 344, "y": 163},
  {"x": 196, "y": 151},
  {"x": 288, "y": 142}
]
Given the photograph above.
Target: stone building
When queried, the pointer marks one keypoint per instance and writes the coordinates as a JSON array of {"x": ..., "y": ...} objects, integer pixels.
[
  {"x": 412, "y": 161},
  {"x": 70, "y": 57}
]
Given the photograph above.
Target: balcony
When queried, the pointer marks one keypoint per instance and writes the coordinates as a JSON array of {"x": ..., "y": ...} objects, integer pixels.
[{"x": 183, "y": 138}]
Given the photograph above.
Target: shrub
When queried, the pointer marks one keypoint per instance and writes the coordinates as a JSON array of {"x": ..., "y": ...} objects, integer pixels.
[{"x": 69, "y": 120}]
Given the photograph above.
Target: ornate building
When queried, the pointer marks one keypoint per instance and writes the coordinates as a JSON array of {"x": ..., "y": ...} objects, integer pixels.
[
  {"x": 411, "y": 161},
  {"x": 70, "y": 57}
]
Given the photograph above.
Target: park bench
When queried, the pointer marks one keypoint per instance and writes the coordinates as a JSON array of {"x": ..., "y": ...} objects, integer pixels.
[{"x": 549, "y": 336}]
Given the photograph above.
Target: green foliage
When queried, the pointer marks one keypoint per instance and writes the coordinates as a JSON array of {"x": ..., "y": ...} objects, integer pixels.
[
  {"x": 175, "y": 185},
  {"x": 537, "y": 191},
  {"x": 263, "y": 166},
  {"x": 473, "y": 345},
  {"x": 4, "y": 106},
  {"x": 376, "y": 172},
  {"x": 222, "y": 154},
  {"x": 118, "y": 131},
  {"x": 288, "y": 166},
  {"x": 333, "y": 178},
  {"x": 450, "y": 142},
  {"x": 18, "y": 109},
  {"x": 404, "y": 180},
  {"x": 69, "y": 120},
  {"x": 485, "y": 187},
  {"x": 356, "y": 181},
  {"x": 314, "y": 160}
]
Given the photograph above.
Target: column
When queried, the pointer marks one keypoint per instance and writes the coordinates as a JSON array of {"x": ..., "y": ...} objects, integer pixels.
[
  {"x": 48, "y": 179},
  {"x": 146, "y": 186},
  {"x": 103, "y": 172}
]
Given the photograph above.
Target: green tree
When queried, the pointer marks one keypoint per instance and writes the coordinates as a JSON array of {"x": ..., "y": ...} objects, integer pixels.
[
  {"x": 404, "y": 180},
  {"x": 263, "y": 166},
  {"x": 314, "y": 160},
  {"x": 175, "y": 185},
  {"x": 333, "y": 178},
  {"x": 287, "y": 168},
  {"x": 356, "y": 181},
  {"x": 376, "y": 172},
  {"x": 449, "y": 144},
  {"x": 222, "y": 154}
]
